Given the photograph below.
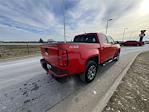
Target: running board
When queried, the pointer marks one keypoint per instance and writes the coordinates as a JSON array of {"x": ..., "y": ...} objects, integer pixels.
[{"x": 109, "y": 61}]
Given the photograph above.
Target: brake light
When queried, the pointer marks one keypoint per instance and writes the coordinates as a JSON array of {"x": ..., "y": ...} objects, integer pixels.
[
  {"x": 63, "y": 57},
  {"x": 46, "y": 51}
]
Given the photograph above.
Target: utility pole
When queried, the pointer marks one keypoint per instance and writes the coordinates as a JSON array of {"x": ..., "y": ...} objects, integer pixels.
[
  {"x": 64, "y": 22},
  {"x": 27, "y": 47},
  {"x": 108, "y": 25},
  {"x": 124, "y": 33}
]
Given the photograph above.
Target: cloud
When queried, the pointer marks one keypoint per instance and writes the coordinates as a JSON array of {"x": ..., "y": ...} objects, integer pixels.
[
  {"x": 118, "y": 8},
  {"x": 45, "y": 17},
  {"x": 91, "y": 15},
  {"x": 8, "y": 33},
  {"x": 42, "y": 17}
]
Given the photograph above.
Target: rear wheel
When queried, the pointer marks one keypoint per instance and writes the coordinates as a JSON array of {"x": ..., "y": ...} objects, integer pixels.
[{"x": 90, "y": 72}]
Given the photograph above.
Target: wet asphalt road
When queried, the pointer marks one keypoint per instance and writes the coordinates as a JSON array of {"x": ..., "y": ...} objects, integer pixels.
[{"x": 25, "y": 87}]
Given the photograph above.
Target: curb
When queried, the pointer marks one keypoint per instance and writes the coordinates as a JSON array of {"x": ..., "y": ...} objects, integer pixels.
[{"x": 103, "y": 102}]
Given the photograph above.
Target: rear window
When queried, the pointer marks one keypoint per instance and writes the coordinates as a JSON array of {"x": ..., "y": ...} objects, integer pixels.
[{"x": 89, "y": 38}]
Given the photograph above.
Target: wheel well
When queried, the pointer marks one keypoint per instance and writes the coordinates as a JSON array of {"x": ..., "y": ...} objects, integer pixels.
[{"x": 95, "y": 58}]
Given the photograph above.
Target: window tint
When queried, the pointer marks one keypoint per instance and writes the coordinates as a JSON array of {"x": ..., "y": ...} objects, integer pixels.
[
  {"x": 104, "y": 39},
  {"x": 88, "y": 38}
]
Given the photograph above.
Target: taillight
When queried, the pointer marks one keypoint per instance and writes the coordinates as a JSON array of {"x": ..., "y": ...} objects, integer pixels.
[
  {"x": 46, "y": 50},
  {"x": 63, "y": 57}
]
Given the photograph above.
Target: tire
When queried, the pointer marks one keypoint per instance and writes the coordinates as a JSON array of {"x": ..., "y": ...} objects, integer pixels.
[{"x": 90, "y": 72}]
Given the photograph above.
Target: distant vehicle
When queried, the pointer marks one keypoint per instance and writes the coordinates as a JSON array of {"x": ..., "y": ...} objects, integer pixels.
[
  {"x": 81, "y": 56},
  {"x": 133, "y": 43},
  {"x": 119, "y": 42},
  {"x": 51, "y": 41}
]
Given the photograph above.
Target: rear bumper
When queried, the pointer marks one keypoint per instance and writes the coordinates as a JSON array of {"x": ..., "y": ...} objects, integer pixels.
[{"x": 52, "y": 70}]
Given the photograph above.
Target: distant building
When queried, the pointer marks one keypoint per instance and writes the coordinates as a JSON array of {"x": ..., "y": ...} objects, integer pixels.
[{"x": 51, "y": 41}]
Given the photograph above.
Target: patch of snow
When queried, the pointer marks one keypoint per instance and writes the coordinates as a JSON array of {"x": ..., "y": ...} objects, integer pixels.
[
  {"x": 133, "y": 108},
  {"x": 129, "y": 97},
  {"x": 94, "y": 92},
  {"x": 145, "y": 99},
  {"x": 128, "y": 93},
  {"x": 119, "y": 103},
  {"x": 138, "y": 92},
  {"x": 108, "y": 108},
  {"x": 115, "y": 99},
  {"x": 129, "y": 84}
]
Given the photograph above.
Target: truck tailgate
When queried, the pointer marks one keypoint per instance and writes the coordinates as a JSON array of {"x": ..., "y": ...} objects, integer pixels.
[{"x": 50, "y": 53}]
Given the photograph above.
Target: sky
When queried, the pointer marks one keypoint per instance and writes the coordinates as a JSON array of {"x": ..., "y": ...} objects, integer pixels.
[{"x": 26, "y": 20}]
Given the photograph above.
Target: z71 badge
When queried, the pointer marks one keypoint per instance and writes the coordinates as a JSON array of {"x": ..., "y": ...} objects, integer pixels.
[{"x": 74, "y": 46}]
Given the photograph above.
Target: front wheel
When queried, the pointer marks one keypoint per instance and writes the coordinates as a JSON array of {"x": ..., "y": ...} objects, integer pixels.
[{"x": 90, "y": 72}]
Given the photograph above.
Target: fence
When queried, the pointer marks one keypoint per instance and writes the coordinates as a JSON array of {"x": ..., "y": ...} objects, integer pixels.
[{"x": 11, "y": 50}]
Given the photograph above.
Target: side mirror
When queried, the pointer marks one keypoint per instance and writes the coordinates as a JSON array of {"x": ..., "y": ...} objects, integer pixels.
[{"x": 116, "y": 42}]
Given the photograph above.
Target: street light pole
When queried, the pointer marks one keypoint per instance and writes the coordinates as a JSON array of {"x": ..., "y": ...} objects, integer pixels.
[
  {"x": 64, "y": 22},
  {"x": 107, "y": 25},
  {"x": 124, "y": 33}
]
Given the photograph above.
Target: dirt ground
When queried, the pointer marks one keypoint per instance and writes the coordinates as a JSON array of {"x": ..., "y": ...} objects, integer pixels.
[
  {"x": 132, "y": 95},
  {"x": 13, "y": 51}
]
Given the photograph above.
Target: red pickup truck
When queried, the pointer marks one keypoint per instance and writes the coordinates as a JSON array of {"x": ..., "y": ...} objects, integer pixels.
[{"x": 81, "y": 56}]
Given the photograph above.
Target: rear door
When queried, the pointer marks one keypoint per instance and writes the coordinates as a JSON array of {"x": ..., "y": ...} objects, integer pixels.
[
  {"x": 105, "y": 48},
  {"x": 113, "y": 46}
]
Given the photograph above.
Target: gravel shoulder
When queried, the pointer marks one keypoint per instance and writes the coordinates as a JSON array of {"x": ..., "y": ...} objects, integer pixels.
[{"x": 132, "y": 94}]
